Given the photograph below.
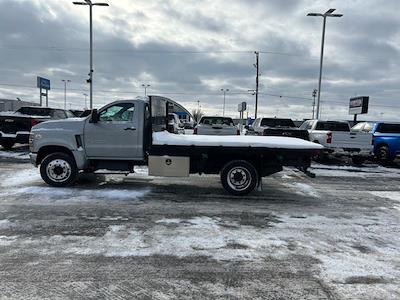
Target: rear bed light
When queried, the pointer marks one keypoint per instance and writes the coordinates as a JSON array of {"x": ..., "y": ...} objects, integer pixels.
[
  {"x": 195, "y": 130},
  {"x": 329, "y": 138},
  {"x": 34, "y": 122}
]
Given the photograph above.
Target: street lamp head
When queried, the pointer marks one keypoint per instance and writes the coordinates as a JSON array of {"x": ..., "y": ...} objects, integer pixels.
[
  {"x": 329, "y": 11},
  {"x": 80, "y": 3},
  {"x": 314, "y": 15},
  {"x": 336, "y": 15},
  {"x": 100, "y": 4}
]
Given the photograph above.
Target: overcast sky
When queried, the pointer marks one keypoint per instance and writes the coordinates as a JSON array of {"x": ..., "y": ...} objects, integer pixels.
[{"x": 189, "y": 49}]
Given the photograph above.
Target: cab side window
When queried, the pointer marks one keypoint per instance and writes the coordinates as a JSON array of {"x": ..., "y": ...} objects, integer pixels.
[{"x": 121, "y": 112}]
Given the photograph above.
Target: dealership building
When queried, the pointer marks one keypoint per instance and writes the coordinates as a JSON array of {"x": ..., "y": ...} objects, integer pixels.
[{"x": 13, "y": 105}]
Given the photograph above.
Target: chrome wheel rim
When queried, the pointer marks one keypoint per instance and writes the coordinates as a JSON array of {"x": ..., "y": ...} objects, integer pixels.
[
  {"x": 59, "y": 170},
  {"x": 239, "y": 178}
]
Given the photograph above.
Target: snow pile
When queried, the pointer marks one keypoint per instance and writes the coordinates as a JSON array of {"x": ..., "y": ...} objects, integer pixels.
[
  {"x": 277, "y": 142},
  {"x": 304, "y": 189}
]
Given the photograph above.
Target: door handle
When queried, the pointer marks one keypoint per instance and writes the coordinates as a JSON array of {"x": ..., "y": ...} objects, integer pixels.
[
  {"x": 130, "y": 128},
  {"x": 352, "y": 137}
]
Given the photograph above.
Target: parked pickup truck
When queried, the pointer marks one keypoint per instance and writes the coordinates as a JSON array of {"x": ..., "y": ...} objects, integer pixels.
[
  {"x": 338, "y": 140},
  {"x": 132, "y": 132},
  {"x": 216, "y": 126},
  {"x": 278, "y": 127},
  {"x": 15, "y": 126},
  {"x": 386, "y": 138}
]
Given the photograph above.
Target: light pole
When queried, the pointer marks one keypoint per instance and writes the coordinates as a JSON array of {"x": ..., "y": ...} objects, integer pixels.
[
  {"x": 90, "y": 4},
  {"x": 65, "y": 91},
  {"x": 145, "y": 86},
  {"x": 85, "y": 100},
  {"x": 328, "y": 13},
  {"x": 223, "y": 108}
]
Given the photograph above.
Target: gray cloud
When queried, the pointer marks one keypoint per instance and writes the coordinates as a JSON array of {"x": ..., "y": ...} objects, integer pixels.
[{"x": 188, "y": 52}]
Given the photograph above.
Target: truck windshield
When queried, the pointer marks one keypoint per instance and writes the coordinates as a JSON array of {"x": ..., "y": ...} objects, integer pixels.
[
  {"x": 333, "y": 126},
  {"x": 216, "y": 121},
  {"x": 388, "y": 128},
  {"x": 273, "y": 122}
]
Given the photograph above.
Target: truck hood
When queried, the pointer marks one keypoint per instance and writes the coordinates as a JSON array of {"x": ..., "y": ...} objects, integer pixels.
[{"x": 73, "y": 125}]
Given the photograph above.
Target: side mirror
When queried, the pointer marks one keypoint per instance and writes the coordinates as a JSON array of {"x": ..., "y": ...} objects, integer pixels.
[{"x": 94, "y": 116}]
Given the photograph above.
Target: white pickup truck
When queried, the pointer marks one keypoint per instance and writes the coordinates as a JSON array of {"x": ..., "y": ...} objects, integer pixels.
[{"x": 339, "y": 140}]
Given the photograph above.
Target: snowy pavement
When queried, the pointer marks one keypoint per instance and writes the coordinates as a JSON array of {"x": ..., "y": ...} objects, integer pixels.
[{"x": 138, "y": 237}]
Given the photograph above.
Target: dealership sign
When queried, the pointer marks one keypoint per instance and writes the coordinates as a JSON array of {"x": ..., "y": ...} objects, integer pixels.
[
  {"x": 358, "y": 105},
  {"x": 242, "y": 107},
  {"x": 43, "y": 83}
]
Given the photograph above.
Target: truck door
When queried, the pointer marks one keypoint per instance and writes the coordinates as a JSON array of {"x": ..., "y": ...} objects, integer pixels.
[{"x": 115, "y": 135}]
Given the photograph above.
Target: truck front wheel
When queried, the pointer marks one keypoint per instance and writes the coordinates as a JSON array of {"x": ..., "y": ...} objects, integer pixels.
[
  {"x": 239, "y": 177},
  {"x": 58, "y": 169}
]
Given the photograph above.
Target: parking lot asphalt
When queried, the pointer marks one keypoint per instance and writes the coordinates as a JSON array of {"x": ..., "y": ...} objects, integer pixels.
[{"x": 137, "y": 237}]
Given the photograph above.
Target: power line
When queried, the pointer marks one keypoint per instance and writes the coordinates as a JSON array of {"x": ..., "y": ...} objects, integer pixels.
[
  {"x": 326, "y": 101},
  {"x": 69, "y": 49}
]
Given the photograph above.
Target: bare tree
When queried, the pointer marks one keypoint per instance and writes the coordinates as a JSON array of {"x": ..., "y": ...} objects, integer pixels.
[{"x": 197, "y": 114}]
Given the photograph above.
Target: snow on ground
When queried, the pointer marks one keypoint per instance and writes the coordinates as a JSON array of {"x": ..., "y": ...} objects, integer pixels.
[
  {"x": 345, "y": 247},
  {"x": 14, "y": 155},
  {"x": 358, "y": 172},
  {"x": 395, "y": 196},
  {"x": 21, "y": 177},
  {"x": 390, "y": 195},
  {"x": 29, "y": 183},
  {"x": 304, "y": 189},
  {"x": 6, "y": 224}
]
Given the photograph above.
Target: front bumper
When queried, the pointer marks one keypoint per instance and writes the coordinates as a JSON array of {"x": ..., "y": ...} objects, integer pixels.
[{"x": 33, "y": 158}]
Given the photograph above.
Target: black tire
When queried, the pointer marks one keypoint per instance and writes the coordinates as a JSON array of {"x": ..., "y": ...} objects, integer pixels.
[
  {"x": 383, "y": 154},
  {"x": 58, "y": 169},
  {"x": 7, "y": 145},
  {"x": 239, "y": 177},
  {"x": 358, "y": 160}
]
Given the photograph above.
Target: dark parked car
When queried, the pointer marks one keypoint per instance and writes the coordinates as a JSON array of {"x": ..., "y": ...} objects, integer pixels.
[
  {"x": 16, "y": 126},
  {"x": 386, "y": 138},
  {"x": 278, "y": 127}
]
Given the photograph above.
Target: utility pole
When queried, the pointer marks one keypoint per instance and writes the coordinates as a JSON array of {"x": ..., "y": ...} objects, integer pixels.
[
  {"x": 314, "y": 94},
  {"x": 65, "y": 91},
  {"x": 257, "y": 66}
]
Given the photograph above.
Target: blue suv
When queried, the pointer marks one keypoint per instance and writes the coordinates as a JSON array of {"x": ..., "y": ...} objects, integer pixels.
[{"x": 386, "y": 138}]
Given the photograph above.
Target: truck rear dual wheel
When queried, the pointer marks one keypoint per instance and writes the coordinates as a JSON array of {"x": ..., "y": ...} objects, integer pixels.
[
  {"x": 239, "y": 177},
  {"x": 58, "y": 169}
]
